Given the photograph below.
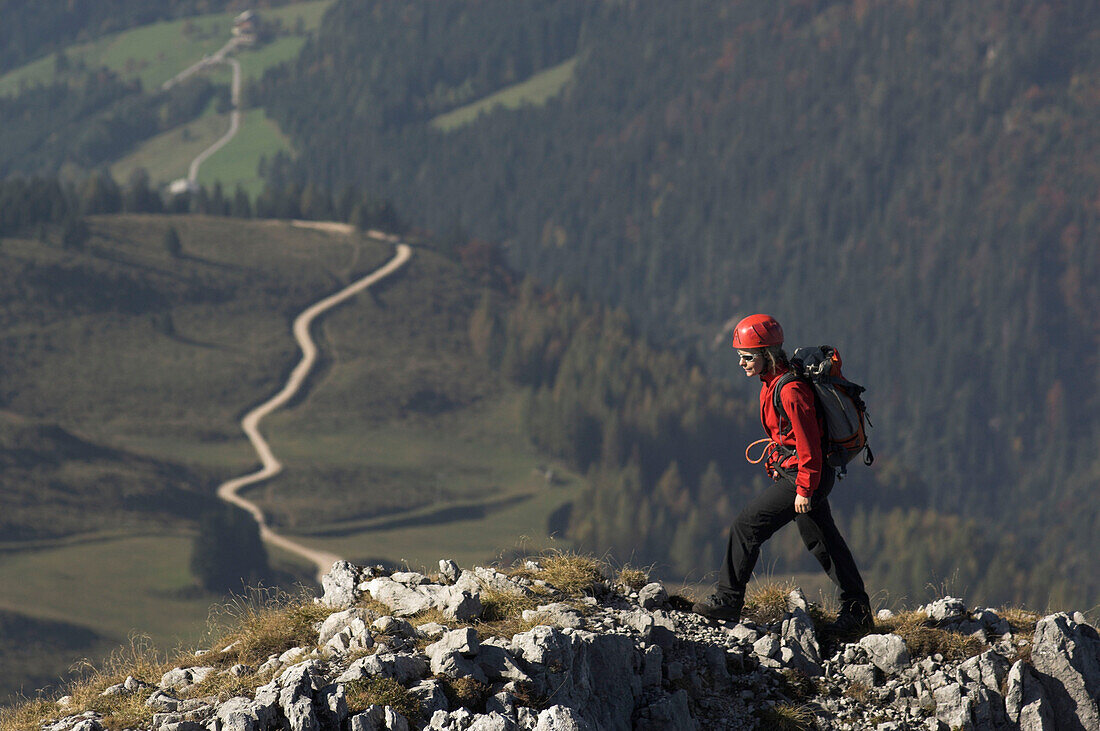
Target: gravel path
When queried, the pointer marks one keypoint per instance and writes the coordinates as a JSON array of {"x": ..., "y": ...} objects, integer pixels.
[{"x": 228, "y": 491}]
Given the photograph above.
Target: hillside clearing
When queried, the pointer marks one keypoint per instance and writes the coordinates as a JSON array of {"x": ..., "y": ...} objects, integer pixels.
[{"x": 535, "y": 91}]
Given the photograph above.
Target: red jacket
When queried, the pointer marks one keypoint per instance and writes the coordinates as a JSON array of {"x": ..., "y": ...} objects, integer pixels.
[{"x": 804, "y": 434}]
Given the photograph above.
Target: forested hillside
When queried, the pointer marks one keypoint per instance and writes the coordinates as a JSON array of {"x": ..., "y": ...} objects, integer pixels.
[
  {"x": 915, "y": 183},
  {"x": 33, "y": 29}
]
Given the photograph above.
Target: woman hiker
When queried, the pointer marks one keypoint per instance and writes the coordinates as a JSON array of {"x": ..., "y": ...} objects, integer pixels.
[{"x": 800, "y": 491}]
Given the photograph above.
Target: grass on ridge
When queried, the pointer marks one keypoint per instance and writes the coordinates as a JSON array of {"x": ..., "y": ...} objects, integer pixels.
[
  {"x": 535, "y": 91},
  {"x": 924, "y": 639}
]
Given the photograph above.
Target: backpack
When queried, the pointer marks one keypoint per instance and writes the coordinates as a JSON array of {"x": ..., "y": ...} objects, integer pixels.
[{"x": 838, "y": 402}]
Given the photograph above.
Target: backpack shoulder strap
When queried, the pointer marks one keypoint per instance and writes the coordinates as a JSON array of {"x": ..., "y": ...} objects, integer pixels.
[{"x": 777, "y": 401}]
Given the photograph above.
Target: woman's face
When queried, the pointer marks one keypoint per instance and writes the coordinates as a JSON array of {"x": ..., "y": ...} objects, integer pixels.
[{"x": 752, "y": 362}]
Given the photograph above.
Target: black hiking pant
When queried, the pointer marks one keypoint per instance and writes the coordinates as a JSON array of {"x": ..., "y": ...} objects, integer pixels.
[{"x": 768, "y": 512}]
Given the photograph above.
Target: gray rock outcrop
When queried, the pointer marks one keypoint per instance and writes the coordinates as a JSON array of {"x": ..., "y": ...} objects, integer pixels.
[
  {"x": 1066, "y": 658},
  {"x": 625, "y": 660}
]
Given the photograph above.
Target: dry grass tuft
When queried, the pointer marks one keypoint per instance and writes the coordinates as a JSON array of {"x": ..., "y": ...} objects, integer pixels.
[
  {"x": 466, "y": 691},
  {"x": 138, "y": 659},
  {"x": 224, "y": 686},
  {"x": 632, "y": 578},
  {"x": 859, "y": 691},
  {"x": 381, "y": 691},
  {"x": 265, "y": 624},
  {"x": 924, "y": 640},
  {"x": 432, "y": 614},
  {"x": 498, "y": 606},
  {"x": 766, "y": 601},
  {"x": 572, "y": 574},
  {"x": 374, "y": 607},
  {"x": 123, "y": 711},
  {"x": 1022, "y": 621},
  {"x": 28, "y": 714},
  {"x": 797, "y": 684},
  {"x": 787, "y": 717}
]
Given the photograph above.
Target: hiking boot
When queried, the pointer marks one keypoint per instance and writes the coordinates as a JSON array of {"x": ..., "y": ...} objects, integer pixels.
[
  {"x": 717, "y": 607},
  {"x": 854, "y": 617}
]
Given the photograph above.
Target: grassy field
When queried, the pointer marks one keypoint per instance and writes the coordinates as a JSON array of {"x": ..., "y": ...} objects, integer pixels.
[
  {"x": 535, "y": 91},
  {"x": 155, "y": 53},
  {"x": 237, "y": 162},
  {"x": 467, "y": 485},
  {"x": 168, "y": 156},
  {"x": 137, "y": 584}
]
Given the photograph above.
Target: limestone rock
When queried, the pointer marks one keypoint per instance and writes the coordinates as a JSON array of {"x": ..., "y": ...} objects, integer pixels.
[
  {"x": 798, "y": 632},
  {"x": 244, "y": 714},
  {"x": 338, "y": 621},
  {"x": 391, "y": 626},
  {"x": 953, "y": 707},
  {"x": 562, "y": 718},
  {"x": 491, "y": 721},
  {"x": 179, "y": 679},
  {"x": 449, "y": 570},
  {"x": 667, "y": 712},
  {"x": 341, "y": 585},
  {"x": 462, "y": 640},
  {"x": 431, "y": 696},
  {"x": 597, "y": 674},
  {"x": 402, "y": 667},
  {"x": 887, "y": 652},
  {"x": 944, "y": 609},
  {"x": 863, "y": 673},
  {"x": 652, "y": 596},
  {"x": 557, "y": 614},
  {"x": 1026, "y": 703},
  {"x": 456, "y": 602},
  {"x": 1066, "y": 656},
  {"x": 378, "y": 718},
  {"x": 402, "y": 600},
  {"x": 409, "y": 578}
]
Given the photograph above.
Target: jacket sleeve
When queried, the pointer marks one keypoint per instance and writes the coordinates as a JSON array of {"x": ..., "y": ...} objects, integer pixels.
[{"x": 798, "y": 402}]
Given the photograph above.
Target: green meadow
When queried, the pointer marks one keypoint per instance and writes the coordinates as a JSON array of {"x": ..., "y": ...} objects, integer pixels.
[
  {"x": 237, "y": 163},
  {"x": 118, "y": 586},
  {"x": 168, "y": 155},
  {"x": 535, "y": 91}
]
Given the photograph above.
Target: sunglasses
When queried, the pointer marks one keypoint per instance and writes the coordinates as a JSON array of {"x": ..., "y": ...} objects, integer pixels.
[{"x": 748, "y": 357}]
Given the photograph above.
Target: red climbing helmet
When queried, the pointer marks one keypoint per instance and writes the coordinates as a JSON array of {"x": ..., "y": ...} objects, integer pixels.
[{"x": 757, "y": 331}]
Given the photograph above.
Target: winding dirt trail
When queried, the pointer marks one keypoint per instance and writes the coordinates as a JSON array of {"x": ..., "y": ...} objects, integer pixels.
[
  {"x": 234, "y": 124},
  {"x": 228, "y": 491}
]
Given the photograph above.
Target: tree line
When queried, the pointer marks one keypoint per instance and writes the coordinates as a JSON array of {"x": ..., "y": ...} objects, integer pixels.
[
  {"x": 26, "y": 203},
  {"x": 88, "y": 117}
]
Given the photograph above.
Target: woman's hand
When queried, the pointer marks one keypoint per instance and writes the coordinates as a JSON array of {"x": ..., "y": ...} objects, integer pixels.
[{"x": 801, "y": 504}]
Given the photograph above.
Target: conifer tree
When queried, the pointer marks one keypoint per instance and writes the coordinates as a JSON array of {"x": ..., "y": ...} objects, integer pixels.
[
  {"x": 172, "y": 243},
  {"x": 241, "y": 207},
  {"x": 74, "y": 233},
  {"x": 227, "y": 552}
]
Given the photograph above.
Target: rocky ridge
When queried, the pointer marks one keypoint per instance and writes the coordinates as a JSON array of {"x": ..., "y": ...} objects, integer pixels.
[{"x": 620, "y": 658}]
